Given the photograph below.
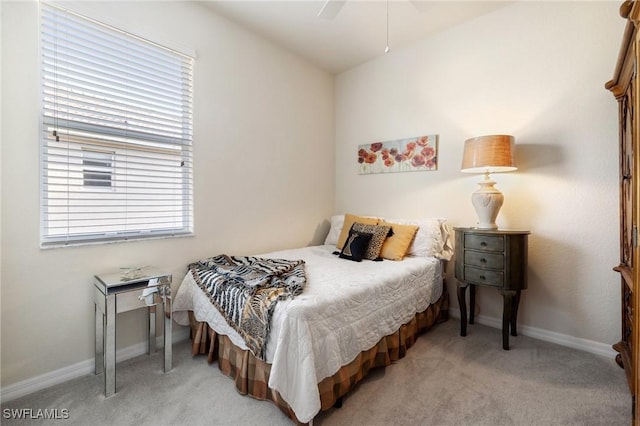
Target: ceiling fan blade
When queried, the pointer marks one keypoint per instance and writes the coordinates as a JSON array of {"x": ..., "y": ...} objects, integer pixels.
[
  {"x": 421, "y": 5},
  {"x": 331, "y": 8}
]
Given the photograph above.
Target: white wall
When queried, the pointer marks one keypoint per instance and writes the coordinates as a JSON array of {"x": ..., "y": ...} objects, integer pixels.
[
  {"x": 263, "y": 160},
  {"x": 535, "y": 70}
]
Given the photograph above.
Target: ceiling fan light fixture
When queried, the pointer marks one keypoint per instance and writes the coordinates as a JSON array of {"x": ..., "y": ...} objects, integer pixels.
[{"x": 386, "y": 49}]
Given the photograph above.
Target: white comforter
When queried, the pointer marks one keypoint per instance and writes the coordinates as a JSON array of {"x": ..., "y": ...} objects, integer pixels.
[{"x": 346, "y": 308}]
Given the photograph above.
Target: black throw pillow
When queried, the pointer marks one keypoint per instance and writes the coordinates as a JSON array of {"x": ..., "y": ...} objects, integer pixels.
[{"x": 356, "y": 245}]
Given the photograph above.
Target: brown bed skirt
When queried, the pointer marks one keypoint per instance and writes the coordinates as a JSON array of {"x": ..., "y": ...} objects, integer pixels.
[{"x": 251, "y": 375}]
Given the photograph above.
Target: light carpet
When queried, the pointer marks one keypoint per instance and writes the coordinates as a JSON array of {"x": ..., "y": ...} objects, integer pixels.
[{"x": 445, "y": 379}]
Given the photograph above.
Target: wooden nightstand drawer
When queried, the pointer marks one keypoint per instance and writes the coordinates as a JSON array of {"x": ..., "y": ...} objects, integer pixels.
[
  {"x": 483, "y": 259},
  {"x": 483, "y": 242},
  {"x": 483, "y": 277}
]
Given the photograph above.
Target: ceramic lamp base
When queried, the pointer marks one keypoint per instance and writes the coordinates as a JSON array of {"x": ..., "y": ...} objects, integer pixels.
[{"x": 487, "y": 201}]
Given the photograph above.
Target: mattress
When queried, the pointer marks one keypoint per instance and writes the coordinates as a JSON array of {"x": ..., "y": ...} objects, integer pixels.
[{"x": 345, "y": 308}]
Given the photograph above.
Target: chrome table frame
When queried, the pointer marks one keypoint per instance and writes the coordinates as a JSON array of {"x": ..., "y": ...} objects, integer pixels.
[{"x": 115, "y": 294}]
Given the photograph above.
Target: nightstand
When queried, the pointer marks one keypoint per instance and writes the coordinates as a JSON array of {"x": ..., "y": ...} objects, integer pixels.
[
  {"x": 115, "y": 294},
  {"x": 491, "y": 258}
]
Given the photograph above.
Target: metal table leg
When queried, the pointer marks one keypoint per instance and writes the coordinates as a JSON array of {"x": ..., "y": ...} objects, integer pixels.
[
  {"x": 110, "y": 346},
  {"x": 151, "y": 337},
  {"x": 166, "y": 308},
  {"x": 99, "y": 355}
]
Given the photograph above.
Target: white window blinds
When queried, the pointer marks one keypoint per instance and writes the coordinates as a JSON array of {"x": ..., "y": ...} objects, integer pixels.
[{"x": 116, "y": 134}]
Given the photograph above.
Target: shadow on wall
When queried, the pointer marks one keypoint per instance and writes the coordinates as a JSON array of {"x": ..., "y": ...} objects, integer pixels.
[
  {"x": 530, "y": 157},
  {"x": 536, "y": 163},
  {"x": 554, "y": 275},
  {"x": 320, "y": 233}
]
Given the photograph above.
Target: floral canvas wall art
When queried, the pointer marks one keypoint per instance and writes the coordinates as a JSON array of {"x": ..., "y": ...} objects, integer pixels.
[{"x": 401, "y": 155}]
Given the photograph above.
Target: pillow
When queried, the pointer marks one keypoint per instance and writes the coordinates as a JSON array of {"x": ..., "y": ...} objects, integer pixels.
[
  {"x": 355, "y": 247},
  {"x": 334, "y": 232},
  {"x": 429, "y": 240},
  {"x": 397, "y": 244},
  {"x": 349, "y": 220},
  {"x": 379, "y": 235}
]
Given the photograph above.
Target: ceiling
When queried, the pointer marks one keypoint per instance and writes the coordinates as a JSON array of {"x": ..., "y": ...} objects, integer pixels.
[{"x": 357, "y": 34}]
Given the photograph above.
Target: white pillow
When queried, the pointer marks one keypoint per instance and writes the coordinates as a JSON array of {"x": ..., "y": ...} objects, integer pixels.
[
  {"x": 337, "y": 222},
  {"x": 431, "y": 240}
]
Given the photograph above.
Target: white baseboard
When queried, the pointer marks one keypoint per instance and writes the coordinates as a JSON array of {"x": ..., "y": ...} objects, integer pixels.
[
  {"x": 82, "y": 368},
  {"x": 585, "y": 345}
]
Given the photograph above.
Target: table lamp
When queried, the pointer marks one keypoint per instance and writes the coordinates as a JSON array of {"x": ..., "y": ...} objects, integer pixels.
[{"x": 488, "y": 154}]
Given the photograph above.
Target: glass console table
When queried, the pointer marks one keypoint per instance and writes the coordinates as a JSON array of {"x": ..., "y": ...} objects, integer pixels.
[{"x": 120, "y": 292}]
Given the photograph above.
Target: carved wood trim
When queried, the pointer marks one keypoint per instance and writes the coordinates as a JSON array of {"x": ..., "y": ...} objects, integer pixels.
[
  {"x": 629, "y": 10},
  {"x": 625, "y": 87}
]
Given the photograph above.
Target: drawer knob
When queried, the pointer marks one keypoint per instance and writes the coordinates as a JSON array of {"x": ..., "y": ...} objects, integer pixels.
[
  {"x": 483, "y": 244},
  {"x": 482, "y": 277},
  {"x": 483, "y": 260}
]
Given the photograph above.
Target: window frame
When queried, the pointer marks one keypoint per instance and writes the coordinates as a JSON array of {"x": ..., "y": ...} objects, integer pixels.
[{"x": 154, "y": 148}]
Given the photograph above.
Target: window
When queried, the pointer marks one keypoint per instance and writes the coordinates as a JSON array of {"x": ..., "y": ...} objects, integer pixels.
[
  {"x": 116, "y": 134},
  {"x": 97, "y": 168}
]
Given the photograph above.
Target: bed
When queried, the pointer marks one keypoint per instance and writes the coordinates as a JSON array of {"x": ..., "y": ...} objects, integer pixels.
[{"x": 351, "y": 316}]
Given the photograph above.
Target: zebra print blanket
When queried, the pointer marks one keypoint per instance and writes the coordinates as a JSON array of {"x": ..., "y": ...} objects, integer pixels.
[{"x": 246, "y": 289}]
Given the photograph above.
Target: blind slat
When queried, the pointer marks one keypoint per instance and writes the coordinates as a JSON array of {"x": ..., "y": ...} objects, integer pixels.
[{"x": 116, "y": 134}]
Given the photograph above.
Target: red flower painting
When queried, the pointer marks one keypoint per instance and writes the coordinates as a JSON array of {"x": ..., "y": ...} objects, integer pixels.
[{"x": 401, "y": 155}]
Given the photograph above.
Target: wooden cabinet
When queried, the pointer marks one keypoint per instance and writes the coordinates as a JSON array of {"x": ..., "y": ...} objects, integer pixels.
[
  {"x": 624, "y": 87},
  {"x": 491, "y": 258}
]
